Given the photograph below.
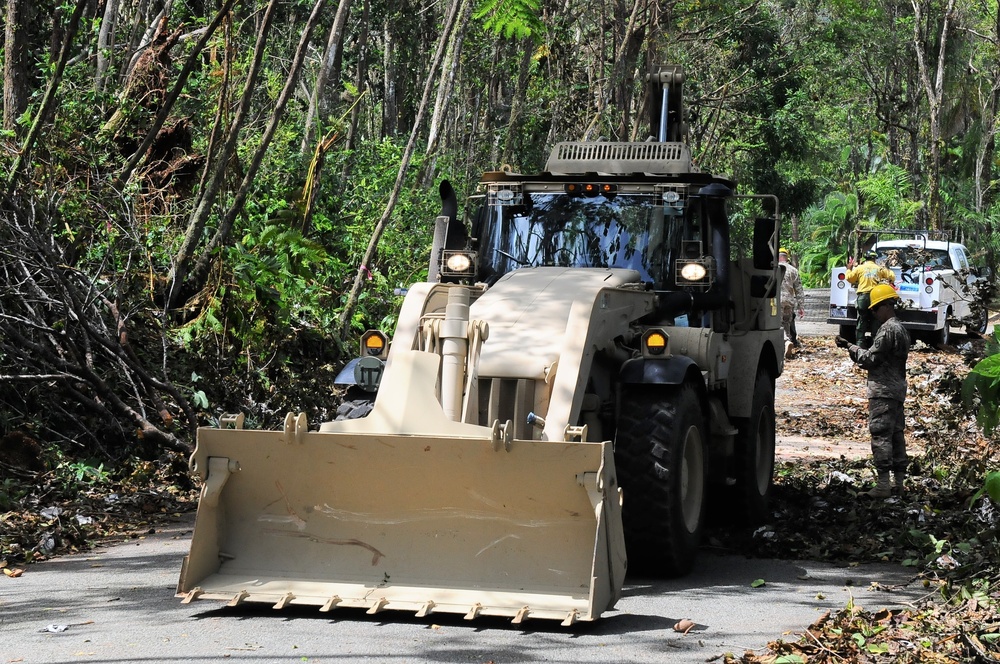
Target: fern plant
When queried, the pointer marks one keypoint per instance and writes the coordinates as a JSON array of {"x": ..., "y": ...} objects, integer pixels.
[
  {"x": 511, "y": 18},
  {"x": 981, "y": 389}
]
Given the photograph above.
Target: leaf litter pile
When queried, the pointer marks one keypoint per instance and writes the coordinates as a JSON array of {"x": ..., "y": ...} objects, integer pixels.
[
  {"x": 52, "y": 505},
  {"x": 943, "y": 526}
]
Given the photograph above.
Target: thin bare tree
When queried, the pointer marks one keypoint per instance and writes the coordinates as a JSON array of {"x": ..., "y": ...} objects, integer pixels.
[
  {"x": 319, "y": 101},
  {"x": 221, "y": 236},
  {"x": 383, "y": 222},
  {"x": 105, "y": 43},
  {"x": 185, "y": 255}
]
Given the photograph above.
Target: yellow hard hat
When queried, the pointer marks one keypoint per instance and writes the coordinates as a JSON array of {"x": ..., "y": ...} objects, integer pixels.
[
  {"x": 782, "y": 251},
  {"x": 882, "y": 292}
]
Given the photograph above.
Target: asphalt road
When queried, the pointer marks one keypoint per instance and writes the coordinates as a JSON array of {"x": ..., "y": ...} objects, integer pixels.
[{"x": 117, "y": 605}]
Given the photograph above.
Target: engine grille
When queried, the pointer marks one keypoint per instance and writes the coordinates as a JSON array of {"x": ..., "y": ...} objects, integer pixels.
[{"x": 609, "y": 157}]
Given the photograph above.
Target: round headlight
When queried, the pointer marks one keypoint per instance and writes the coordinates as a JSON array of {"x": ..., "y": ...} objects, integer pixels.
[
  {"x": 671, "y": 197},
  {"x": 693, "y": 272},
  {"x": 458, "y": 263},
  {"x": 505, "y": 195}
]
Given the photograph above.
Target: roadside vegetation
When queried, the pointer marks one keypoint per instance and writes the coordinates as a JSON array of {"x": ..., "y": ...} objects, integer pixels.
[
  {"x": 945, "y": 528},
  {"x": 204, "y": 203}
]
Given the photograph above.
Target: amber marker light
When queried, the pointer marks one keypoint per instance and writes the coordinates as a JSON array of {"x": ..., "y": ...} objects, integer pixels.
[
  {"x": 373, "y": 343},
  {"x": 655, "y": 342}
]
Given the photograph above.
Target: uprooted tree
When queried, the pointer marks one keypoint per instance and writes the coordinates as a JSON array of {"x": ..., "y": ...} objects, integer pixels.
[{"x": 70, "y": 327}]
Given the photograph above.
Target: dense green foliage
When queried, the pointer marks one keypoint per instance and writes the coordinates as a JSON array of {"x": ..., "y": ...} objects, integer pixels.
[
  {"x": 981, "y": 390},
  {"x": 188, "y": 201}
]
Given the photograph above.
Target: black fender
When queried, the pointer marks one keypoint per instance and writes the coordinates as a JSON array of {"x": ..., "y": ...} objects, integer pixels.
[
  {"x": 673, "y": 370},
  {"x": 368, "y": 366},
  {"x": 346, "y": 376}
]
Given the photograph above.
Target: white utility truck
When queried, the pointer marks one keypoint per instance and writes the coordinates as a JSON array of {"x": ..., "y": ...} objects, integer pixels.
[{"x": 937, "y": 283}]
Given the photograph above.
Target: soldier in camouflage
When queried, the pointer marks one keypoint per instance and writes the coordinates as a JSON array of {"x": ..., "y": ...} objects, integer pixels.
[
  {"x": 792, "y": 299},
  {"x": 886, "y": 365}
]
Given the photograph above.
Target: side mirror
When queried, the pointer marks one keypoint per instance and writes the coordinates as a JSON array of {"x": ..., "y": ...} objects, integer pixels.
[
  {"x": 759, "y": 287},
  {"x": 763, "y": 255}
]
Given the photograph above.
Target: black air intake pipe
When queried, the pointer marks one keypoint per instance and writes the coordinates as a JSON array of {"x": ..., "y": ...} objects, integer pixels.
[{"x": 714, "y": 197}]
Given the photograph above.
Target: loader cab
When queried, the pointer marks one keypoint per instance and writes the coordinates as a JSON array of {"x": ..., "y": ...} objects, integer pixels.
[
  {"x": 666, "y": 231},
  {"x": 649, "y": 229}
]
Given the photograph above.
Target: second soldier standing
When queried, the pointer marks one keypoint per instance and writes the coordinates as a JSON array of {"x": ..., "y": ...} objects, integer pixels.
[
  {"x": 886, "y": 365},
  {"x": 792, "y": 300}
]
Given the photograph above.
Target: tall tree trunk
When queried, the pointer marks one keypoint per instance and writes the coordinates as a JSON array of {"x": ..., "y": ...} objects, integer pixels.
[
  {"x": 934, "y": 92},
  {"x": 390, "y": 99},
  {"x": 48, "y": 101},
  {"x": 221, "y": 111},
  {"x": 319, "y": 101},
  {"x": 383, "y": 222},
  {"x": 626, "y": 64},
  {"x": 105, "y": 43},
  {"x": 362, "y": 84},
  {"x": 17, "y": 60},
  {"x": 444, "y": 91},
  {"x": 989, "y": 106},
  {"x": 514, "y": 142}
]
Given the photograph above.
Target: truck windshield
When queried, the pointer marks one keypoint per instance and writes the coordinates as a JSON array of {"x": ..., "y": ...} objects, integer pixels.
[
  {"x": 624, "y": 231},
  {"x": 907, "y": 258}
]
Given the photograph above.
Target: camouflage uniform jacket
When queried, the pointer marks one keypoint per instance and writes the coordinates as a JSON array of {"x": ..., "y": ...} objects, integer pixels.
[
  {"x": 885, "y": 361},
  {"x": 791, "y": 287}
]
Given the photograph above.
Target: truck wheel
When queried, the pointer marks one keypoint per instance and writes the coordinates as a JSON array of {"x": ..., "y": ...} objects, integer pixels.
[
  {"x": 941, "y": 337},
  {"x": 981, "y": 321},
  {"x": 754, "y": 462},
  {"x": 661, "y": 457}
]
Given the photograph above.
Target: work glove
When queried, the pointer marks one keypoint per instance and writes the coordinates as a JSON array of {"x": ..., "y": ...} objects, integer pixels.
[{"x": 841, "y": 342}]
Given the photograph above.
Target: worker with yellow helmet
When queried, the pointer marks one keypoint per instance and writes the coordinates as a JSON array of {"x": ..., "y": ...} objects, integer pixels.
[
  {"x": 864, "y": 278},
  {"x": 885, "y": 361}
]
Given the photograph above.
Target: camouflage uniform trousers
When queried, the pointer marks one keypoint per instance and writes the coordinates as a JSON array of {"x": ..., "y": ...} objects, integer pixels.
[
  {"x": 886, "y": 423},
  {"x": 866, "y": 322},
  {"x": 788, "y": 321}
]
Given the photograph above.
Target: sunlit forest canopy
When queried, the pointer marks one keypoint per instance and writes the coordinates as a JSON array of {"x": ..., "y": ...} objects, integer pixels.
[{"x": 204, "y": 201}]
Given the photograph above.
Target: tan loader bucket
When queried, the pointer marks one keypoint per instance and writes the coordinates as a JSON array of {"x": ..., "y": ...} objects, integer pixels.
[{"x": 463, "y": 523}]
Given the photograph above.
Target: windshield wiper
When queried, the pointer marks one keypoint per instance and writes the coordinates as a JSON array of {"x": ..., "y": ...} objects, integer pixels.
[{"x": 513, "y": 258}]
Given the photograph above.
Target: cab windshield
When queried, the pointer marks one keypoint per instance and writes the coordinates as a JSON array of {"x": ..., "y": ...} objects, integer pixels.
[
  {"x": 907, "y": 258},
  {"x": 623, "y": 231}
]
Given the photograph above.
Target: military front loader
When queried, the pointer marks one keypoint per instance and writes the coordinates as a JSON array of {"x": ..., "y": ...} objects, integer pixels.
[{"x": 593, "y": 355}]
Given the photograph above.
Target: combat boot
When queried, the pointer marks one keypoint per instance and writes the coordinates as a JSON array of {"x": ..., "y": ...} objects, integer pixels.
[
  {"x": 882, "y": 489},
  {"x": 898, "y": 479}
]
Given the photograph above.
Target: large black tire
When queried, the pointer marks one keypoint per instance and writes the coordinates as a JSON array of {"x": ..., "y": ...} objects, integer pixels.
[
  {"x": 661, "y": 455},
  {"x": 754, "y": 459},
  {"x": 941, "y": 337}
]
